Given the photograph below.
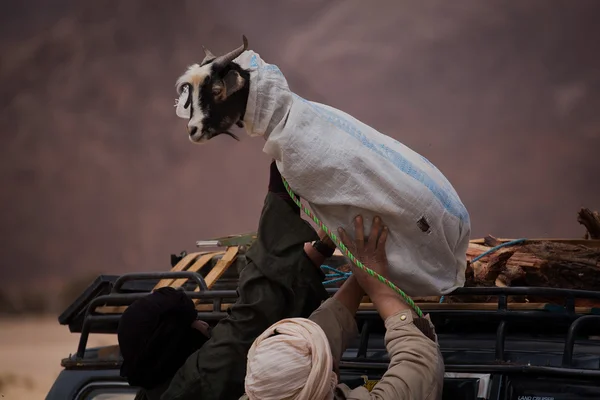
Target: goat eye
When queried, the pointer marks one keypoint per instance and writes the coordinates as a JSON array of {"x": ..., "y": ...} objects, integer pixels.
[
  {"x": 184, "y": 88},
  {"x": 216, "y": 90}
]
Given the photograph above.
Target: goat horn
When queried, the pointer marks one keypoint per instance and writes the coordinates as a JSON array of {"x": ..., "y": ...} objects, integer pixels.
[
  {"x": 208, "y": 56},
  {"x": 224, "y": 60}
]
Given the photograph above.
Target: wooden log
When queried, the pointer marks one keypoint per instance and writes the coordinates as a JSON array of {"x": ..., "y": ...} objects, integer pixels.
[
  {"x": 591, "y": 220},
  {"x": 537, "y": 264},
  {"x": 486, "y": 273},
  {"x": 491, "y": 241}
]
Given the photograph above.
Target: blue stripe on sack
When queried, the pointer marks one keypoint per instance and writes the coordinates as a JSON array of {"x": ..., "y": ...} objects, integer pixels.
[
  {"x": 253, "y": 61},
  {"x": 449, "y": 201},
  {"x": 267, "y": 67}
]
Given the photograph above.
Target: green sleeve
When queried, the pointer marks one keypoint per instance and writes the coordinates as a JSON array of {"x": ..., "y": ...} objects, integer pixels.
[{"x": 279, "y": 281}]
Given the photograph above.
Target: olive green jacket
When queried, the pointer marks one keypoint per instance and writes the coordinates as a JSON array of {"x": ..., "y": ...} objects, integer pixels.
[{"x": 279, "y": 281}]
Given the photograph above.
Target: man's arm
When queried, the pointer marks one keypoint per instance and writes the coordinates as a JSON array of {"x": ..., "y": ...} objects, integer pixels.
[
  {"x": 416, "y": 369},
  {"x": 336, "y": 317},
  {"x": 279, "y": 281}
]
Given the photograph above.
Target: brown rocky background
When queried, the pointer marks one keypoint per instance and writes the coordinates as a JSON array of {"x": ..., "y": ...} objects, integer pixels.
[{"x": 97, "y": 173}]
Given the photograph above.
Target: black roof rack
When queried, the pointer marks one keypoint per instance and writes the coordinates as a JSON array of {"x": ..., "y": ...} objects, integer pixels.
[{"x": 562, "y": 319}]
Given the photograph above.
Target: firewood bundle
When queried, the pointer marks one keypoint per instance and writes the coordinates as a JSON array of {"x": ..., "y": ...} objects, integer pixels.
[
  {"x": 559, "y": 263},
  {"x": 591, "y": 221},
  {"x": 542, "y": 263},
  {"x": 567, "y": 264}
]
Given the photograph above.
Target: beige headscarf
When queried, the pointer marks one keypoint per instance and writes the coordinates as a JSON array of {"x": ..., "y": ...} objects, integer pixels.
[{"x": 296, "y": 363}]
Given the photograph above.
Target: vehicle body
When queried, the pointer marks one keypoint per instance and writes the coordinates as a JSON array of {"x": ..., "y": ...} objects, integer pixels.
[{"x": 497, "y": 351}]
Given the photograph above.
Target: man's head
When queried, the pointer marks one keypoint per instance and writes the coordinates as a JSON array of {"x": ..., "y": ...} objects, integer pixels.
[
  {"x": 156, "y": 334},
  {"x": 291, "y": 360}
]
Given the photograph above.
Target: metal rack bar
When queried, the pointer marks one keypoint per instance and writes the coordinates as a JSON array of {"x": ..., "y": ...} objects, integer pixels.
[
  {"x": 522, "y": 291},
  {"x": 125, "y": 299},
  {"x": 488, "y": 369},
  {"x": 364, "y": 339},
  {"x": 500, "y": 337},
  {"x": 502, "y": 314},
  {"x": 144, "y": 276},
  {"x": 579, "y": 323}
]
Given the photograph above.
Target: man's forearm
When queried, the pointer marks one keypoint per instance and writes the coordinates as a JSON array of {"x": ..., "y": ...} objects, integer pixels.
[
  {"x": 350, "y": 295},
  {"x": 312, "y": 253},
  {"x": 388, "y": 303}
]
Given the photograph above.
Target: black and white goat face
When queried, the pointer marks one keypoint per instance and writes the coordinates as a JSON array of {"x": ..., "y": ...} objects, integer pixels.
[{"x": 213, "y": 95}]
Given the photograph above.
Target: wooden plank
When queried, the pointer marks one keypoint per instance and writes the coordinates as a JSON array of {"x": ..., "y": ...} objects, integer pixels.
[
  {"x": 181, "y": 266},
  {"x": 221, "y": 266},
  {"x": 195, "y": 267},
  {"x": 121, "y": 309},
  {"x": 209, "y": 307},
  {"x": 109, "y": 352},
  {"x": 584, "y": 242},
  {"x": 224, "y": 307},
  {"x": 204, "y": 258},
  {"x": 219, "y": 269},
  {"x": 437, "y": 306},
  {"x": 481, "y": 306},
  {"x": 423, "y": 306},
  {"x": 111, "y": 309},
  {"x": 494, "y": 306}
]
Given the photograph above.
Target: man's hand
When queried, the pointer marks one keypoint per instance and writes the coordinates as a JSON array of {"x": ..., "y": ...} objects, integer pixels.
[
  {"x": 202, "y": 326},
  {"x": 372, "y": 255},
  {"x": 370, "y": 252}
]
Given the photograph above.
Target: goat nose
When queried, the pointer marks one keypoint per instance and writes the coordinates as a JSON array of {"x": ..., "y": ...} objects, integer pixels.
[{"x": 192, "y": 130}]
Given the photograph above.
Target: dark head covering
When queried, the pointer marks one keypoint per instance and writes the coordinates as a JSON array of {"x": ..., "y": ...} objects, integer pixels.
[{"x": 156, "y": 337}]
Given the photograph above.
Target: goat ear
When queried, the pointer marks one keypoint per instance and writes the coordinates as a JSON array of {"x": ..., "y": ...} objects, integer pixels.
[
  {"x": 232, "y": 82},
  {"x": 208, "y": 57}
]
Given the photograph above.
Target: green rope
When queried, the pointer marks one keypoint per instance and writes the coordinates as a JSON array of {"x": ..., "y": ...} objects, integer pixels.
[{"x": 347, "y": 253}]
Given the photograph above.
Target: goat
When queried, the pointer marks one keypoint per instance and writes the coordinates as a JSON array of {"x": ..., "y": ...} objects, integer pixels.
[
  {"x": 360, "y": 170},
  {"x": 213, "y": 95}
]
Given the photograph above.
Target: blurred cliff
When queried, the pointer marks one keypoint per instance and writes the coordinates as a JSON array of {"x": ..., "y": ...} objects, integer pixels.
[{"x": 97, "y": 173}]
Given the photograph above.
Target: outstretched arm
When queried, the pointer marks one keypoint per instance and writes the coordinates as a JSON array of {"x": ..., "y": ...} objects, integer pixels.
[
  {"x": 416, "y": 369},
  {"x": 336, "y": 317},
  {"x": 279, "y": 281}
]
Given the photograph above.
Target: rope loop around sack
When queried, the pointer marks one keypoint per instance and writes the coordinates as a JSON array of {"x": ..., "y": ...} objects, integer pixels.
[{"x": 347, "y": 252}]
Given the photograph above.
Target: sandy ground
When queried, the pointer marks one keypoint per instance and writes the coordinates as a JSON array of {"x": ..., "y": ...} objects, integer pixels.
[{"x": 30, "y": 354}]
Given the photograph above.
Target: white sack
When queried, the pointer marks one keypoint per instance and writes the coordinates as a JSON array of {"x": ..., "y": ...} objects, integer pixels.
[{"x": 343, "y": 168}]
